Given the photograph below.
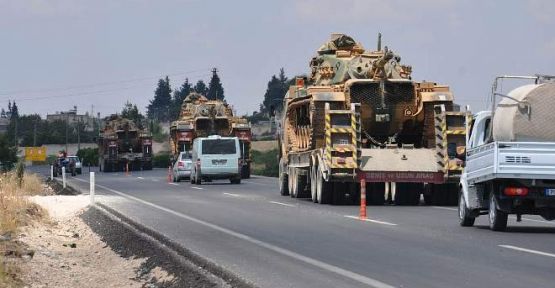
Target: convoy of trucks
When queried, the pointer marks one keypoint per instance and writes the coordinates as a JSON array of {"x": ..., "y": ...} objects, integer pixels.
[
  {"x": 124, "y": 146},
  {"x": 510, "y": 161},
  {"x": 361, "y": 115},
  {"x": 200, "y": 117}
]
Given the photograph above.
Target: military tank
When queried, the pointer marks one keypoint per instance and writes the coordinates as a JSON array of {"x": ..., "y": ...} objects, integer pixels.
[
  {"x": 200, "y": 117},
  {"x": 123, "y": 145},
  {"x": 360, "y": 115}
]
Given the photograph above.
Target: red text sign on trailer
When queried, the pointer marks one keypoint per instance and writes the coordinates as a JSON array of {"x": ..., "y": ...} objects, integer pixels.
[{"x": 401, "y": 176}]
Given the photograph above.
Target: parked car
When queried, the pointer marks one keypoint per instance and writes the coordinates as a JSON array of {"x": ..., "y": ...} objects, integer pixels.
[
  {"x": 216, "y": 157},
  {"x": 182, "y": 166},
  {"x": 78, "y": 165}
]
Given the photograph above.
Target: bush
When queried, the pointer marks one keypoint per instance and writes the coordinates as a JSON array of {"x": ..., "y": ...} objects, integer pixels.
[
  {"x": 265, "y": 163},
  {"x": 88, "y": 156},
  {"x": 161, "y": 160}
]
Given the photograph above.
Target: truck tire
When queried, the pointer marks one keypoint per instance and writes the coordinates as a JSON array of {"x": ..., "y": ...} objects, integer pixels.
[
  {"x": 375, "y": 193},
  {"x": 313, "y": 173},
  {"x": 283, "y": 180},
  {"x": 323, "y": 189},
  {"x": 497, "y": 218},
  {"x": 465, "y": 219}
]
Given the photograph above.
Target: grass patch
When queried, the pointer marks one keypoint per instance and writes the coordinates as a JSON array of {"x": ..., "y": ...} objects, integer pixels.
[
  {"x": 265, "y": 163},
  {"x": 15, "y": 211}
]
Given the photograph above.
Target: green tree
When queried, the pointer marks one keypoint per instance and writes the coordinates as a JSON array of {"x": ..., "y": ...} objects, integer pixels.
[
  {"x": 131, "y": 112},
  {"x": 200, "y": 87},
  {"x": 178, "y": 97},
  {"x": 215, "y": 88},
  {"x": 275, "y": 91},
  {"x": 8, "y": 153},
  {"x": 159, "y": 107}
]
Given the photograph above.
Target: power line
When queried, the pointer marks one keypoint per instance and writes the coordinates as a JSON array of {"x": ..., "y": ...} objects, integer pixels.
[{"x": 33, "y": 91}]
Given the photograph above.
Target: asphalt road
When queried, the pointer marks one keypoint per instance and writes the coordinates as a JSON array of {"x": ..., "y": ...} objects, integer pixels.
[{"x": 276, "y": 241}]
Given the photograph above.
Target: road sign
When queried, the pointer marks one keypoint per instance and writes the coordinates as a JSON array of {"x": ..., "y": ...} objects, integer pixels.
[{"x": 35, "y": 153}]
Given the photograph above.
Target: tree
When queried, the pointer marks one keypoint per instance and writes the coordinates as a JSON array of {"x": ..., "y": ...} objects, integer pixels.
[
  {"x": 215, "y": 89},
  {"x": 14, "y": 111},
  {"x": 277, "y": 87},
  {"x": 178, "y": 97},
  {"x": 200, "y": 88},
  {"x": 8, "y": 153},
  {"x": 159, "y": 107},
  {"x": 131, "y": 112}
]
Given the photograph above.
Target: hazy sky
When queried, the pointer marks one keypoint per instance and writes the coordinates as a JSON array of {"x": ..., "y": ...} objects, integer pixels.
[{"x": 60, "y": 53}]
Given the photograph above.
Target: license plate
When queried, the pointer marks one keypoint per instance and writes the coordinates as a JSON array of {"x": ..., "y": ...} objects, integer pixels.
[
  {"x": 219, "y": 162},
  {"x": 549, "y": 191}
]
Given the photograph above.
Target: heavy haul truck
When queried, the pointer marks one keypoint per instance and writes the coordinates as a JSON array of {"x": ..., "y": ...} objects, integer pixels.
[
  {"x": 359, "y": 115},
  {"x": 123, "y": 145},
  {"x": 200, "y": 117}
]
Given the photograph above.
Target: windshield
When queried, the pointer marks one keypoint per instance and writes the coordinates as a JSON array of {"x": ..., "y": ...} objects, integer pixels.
[
  {"x": 186, "y": 155},
  {"x": 218, "y": 146}
]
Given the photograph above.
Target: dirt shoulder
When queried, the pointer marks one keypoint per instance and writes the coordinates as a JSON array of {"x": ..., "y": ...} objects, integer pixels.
[{"x": 67, "y": 253}]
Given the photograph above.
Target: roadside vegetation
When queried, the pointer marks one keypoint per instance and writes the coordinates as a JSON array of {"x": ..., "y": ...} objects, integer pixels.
[
  {"x": 15, "y": 212},
  {"x": 265, "y": 163}
]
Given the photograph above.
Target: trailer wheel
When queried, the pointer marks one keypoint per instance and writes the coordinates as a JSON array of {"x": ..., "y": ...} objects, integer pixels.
[
  {"x": 323, "y": 188},
  {"x": 293, "y": 182},
  {"x": 313, "y": 190},
  {"x": 283, "y": 180},
  {"x": 465, "y": 219},
  {"x": 497, "y": 218}
]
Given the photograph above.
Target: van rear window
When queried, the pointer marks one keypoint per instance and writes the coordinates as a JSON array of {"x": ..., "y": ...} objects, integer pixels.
[{"x": 218, "y": 146}]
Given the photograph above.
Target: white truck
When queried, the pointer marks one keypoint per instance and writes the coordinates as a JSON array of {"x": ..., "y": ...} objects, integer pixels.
[{"x": 510, "y": 157}]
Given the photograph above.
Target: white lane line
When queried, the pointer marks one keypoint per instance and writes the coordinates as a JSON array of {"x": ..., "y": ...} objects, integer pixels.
[
  {"x": 445, "y": 208},
  {"x": 528, "y": 250},
  {"x": 195, "y": 187},
  {"x": 230, "y": 194},
  {"x": 283, "y": 204},
  {"x": 140, "y": 177},
  {"x": 371, "y": 220},
  {"x": 174, "y": 184},
  {"x": 322, "y": 265}
]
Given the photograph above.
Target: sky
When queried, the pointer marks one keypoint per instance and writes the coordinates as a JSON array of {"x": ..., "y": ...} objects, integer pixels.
[{"x": 97, "y": 55}]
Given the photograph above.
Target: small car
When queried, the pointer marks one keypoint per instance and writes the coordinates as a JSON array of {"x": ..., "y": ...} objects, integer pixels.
[
  {"x": 78, "y": 165},
  {"x": 182, "y": 166},
  {"x": 216, "y": 157}
]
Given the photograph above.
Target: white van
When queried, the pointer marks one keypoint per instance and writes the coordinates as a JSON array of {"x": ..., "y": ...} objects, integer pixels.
[{"x": 216, "y": 157}]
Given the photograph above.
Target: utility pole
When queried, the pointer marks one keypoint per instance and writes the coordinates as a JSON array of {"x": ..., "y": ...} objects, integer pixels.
[
  {"x": 67, "y": 129},
  {"x": 78, "y": 135}
]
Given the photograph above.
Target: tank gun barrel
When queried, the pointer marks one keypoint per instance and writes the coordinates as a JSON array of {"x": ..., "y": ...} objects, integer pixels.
[{"x": 379, "y": 64}]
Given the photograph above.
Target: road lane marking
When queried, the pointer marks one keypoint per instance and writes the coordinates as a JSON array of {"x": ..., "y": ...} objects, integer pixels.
[
  {"x": 528, "y": 250},
  {"x": 322, "y": 265},
  {"x": 174, "y": 184},
  {"x": 154, "y": 180},
  {"x": 140, "y": 177},
  {"x": 283, "y": 204},
  {"x": 445, "y": 208},
  {"x": 195, "y": 187},
  {"x": 231, "y": 194},
  {"x": 371, "y": 220}
]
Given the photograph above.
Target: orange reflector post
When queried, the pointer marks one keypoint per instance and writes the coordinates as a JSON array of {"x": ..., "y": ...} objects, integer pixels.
[
  {"x": 362, "y": 212},
  {"x": 516, "y": 191}
]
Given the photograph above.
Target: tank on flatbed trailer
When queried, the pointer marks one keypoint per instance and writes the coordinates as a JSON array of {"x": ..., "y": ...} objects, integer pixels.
[
  {"x": 200, "y": 117},
  {"x": 124, "y": 145},
  {"x": 360, "y": 115}
]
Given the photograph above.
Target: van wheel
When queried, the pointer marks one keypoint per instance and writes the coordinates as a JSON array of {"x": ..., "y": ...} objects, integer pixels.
[
  {"x": 465, "y": 219},
  {"x": 235, "y": 180},
  {"x": 497, "y": 218}
]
